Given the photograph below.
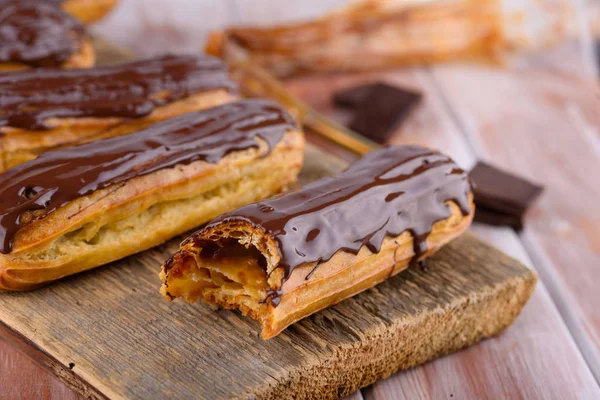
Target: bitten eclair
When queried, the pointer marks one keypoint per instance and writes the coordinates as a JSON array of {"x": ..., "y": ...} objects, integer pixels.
[
  {"x": 282, "y": 259},
  {"x": 76, "y": 208},
  {"x": 47, "y": 109},
  {"x": 37, "y": 34}
]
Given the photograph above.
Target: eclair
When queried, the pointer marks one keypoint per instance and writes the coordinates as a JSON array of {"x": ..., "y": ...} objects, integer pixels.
[
  {"x": 76, "y": 208},
  {"x": 87, "y": 11},
  {"x": 35, "y": 34},
  {"x": 369, "y": 35},
  {"x": 282, "y": 259},
  {"x": 47, "y": 109}
]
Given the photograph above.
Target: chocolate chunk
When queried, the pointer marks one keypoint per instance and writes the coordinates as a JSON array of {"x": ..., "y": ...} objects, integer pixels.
[
  {"x": 379, "y": 108},
  {"x": 491, "y": 217},
  {"x": 501, "y": 198},
  {"x": 354, "y": 97}
]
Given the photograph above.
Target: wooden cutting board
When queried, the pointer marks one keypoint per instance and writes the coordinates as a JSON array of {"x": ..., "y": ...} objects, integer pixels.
[{"x": 109, "y": 333}]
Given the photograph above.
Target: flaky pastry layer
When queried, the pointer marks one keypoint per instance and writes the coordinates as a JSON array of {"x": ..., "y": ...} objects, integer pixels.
[
  {"x": 84, "y": 58},
  {"x": 244, "y": 280},
  {"x": 124, "y": 219},
  {"x": 18, "y": 145}
]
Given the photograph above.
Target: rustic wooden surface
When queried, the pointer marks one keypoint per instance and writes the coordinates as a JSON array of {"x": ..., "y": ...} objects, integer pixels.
[
  {"x": 108, "y": 332},
  {"x": 551, "y": 350}
]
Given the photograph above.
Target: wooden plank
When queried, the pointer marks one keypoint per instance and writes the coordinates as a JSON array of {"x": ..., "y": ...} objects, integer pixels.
[
  {"x": 507, "y": 366},
  {"x": 555, "y": 122},
  {"x": 22, "y": 378},
  {"x": 48, "y": 372},
  {"x": 115, "y": 332},
  {"x": 174, "y": 46},
  {"x": 434, "y": 125},
  {"x": 354, "y": 396}
]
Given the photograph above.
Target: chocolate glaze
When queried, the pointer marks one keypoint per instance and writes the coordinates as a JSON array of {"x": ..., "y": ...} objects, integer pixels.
[
  {"x": 37, "y": 33},
  {"x": 58, "y": 177},
  {"x": 387, "y": 192},
  {"x": 128, "y": 90}
]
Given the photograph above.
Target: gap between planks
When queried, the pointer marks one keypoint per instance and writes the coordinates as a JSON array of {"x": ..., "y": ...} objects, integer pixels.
[
  {"x": 506, "y": 239},
  {"x": 564, "y": 300}
]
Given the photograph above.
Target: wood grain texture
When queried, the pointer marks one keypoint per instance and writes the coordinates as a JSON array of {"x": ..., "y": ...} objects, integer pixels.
[
  {"x": 177, "y": 350},
  {"x": 15, "y": 365},
  {"x": 519, "y": 364},
  {"x": 100, "y": 329},
  {"x": 162, "y": 30},
  {"x": 20, "y": 376},
  {"x": 555, "y": 120},
  {"x": 460, "y": 375}
]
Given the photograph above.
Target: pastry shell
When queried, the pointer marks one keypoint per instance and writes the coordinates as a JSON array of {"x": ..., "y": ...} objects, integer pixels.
[
  {"x": 145, "y": 211},
  {"x": 245, "y": 286}
]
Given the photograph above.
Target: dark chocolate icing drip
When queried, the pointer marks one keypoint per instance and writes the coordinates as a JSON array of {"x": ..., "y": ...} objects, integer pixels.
[
  {"x": 37, "y": 33},
  {"x": 128, "y": 90},
  {"x": 387, "y": 192},
  {"x": 58, "y": 177}
]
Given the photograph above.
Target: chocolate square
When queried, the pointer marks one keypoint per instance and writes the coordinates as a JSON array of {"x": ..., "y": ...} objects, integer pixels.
[
  {"x": 354, "y": 97},
  {"x": 379, "y": 108},
  {"x": 501, "y": 198},
  {"x": 491, "y": 217}
]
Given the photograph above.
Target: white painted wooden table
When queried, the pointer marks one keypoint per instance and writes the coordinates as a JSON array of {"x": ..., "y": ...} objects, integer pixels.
[{"x": 539, "y": 118}]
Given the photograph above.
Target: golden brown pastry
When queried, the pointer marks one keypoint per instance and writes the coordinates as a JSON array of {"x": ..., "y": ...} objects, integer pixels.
[
  {"x": 87, "y": 11},
  {"x": 370, "y": 34},
  {"x": 282, "y": 259},
  {"x": 46, "y": 109},
  {"x": 36, "y": 34},
  {"x": 80, "y": 207}
]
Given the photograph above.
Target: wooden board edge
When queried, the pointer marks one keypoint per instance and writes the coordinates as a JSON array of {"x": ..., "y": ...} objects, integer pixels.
[
  {"x": 50, "y": 363},
  {"x": 465, "y": 323}
]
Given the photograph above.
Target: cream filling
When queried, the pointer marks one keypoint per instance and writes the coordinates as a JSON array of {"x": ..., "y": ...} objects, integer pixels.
[{"x": 232, "y": 276}]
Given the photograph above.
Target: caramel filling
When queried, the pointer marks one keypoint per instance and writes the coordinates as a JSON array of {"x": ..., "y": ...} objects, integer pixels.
[{"x": 229, "y": 275}]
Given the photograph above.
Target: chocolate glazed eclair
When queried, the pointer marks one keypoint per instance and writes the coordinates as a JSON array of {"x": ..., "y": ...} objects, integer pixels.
[
  {"x": 80, "y": 207},
  {"x": 36, "y": 34},
  {"x": 285, "y": 258},
  {"x": 47, "y": 109}
]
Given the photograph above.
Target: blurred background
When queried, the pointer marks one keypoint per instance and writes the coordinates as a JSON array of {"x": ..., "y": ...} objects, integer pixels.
[{"x": 567, "y": 27}]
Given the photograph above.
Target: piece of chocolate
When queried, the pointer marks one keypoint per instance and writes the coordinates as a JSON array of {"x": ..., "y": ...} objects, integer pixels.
[
  {"x": 354, "y": 97},
  {"x": 491, "y": 217},
  {"x": 379, "y": 108},
  {"x": 501, "y": 198}
]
